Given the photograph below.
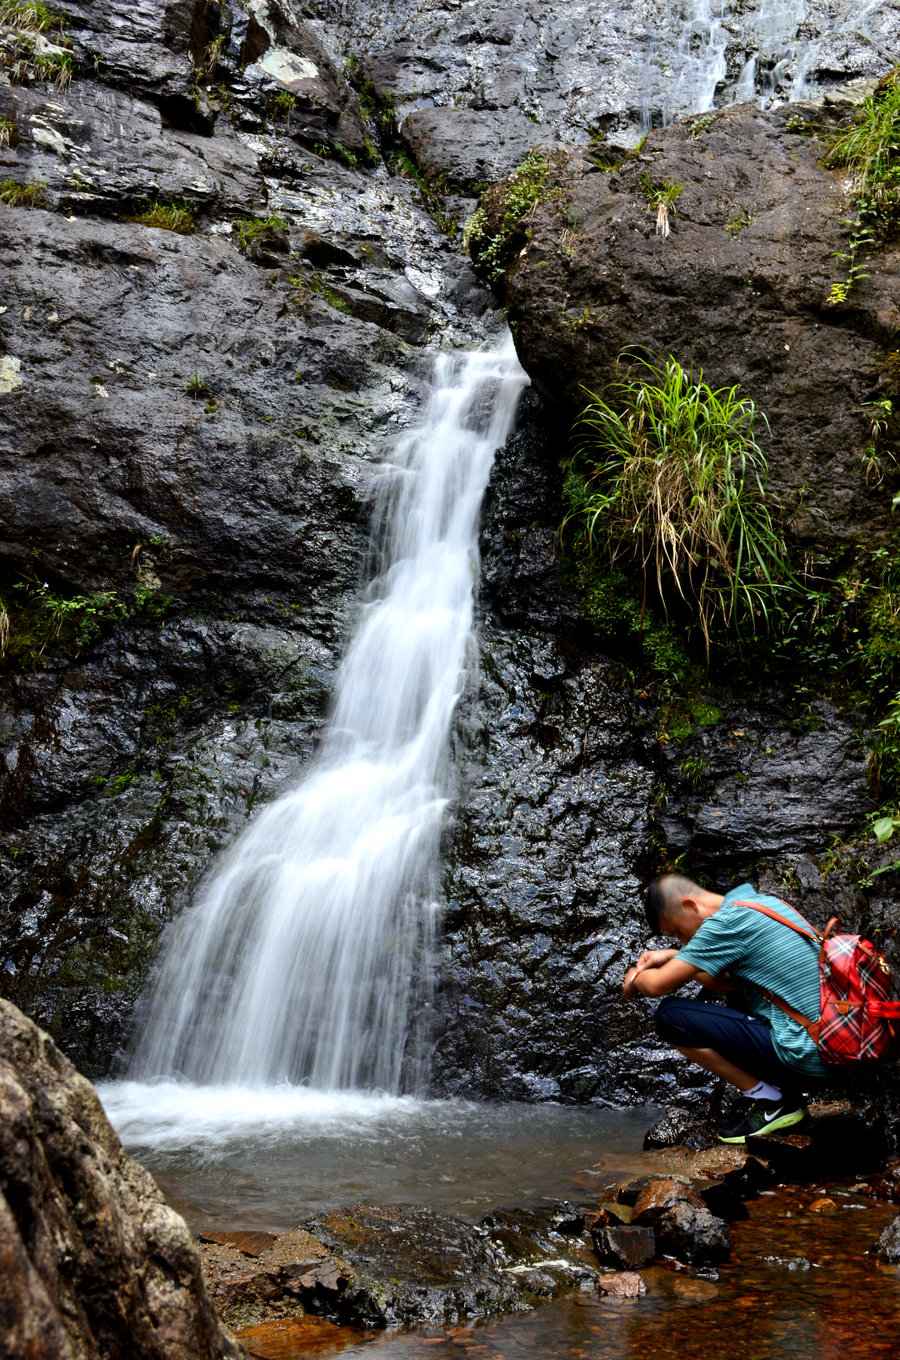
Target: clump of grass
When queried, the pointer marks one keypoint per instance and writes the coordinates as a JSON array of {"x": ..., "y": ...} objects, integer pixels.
[
  {"x": 284, "y": 104},
  {"x": 165, "y": 214},
  {"x": 196, "y": 387},
  {"x": 870, "y": 151},
  {"x": 318, "y": 284},
  {"x": 38, "y": 50},
  {"x": 29, "y": 16},
  {"x": 669, "y": 474},
  {"x": 16, "y": 195},
  {"x": 249, "y": 228},
  {"x": 662, "y": 197},
  {"x": 489, "y": 231}
]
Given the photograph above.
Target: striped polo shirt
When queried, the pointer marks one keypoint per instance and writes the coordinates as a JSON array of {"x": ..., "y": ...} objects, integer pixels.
[{"x": 751, "y": 946}]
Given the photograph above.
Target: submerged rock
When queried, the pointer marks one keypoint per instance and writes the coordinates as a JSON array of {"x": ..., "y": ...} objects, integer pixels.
[
  {"x": 93, "y": 1263},
  {"x": 887, "y": 1248},
  {"x": 415, "y": 1265}
]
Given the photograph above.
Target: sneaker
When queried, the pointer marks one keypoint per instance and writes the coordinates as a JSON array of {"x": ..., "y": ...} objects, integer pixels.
[{"x": 764, "y": 1116}]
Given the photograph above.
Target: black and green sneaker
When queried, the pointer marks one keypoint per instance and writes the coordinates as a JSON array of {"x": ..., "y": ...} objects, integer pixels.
[{"x": 764, "y": 1116}]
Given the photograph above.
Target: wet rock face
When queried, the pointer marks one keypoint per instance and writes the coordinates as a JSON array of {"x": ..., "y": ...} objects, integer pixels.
[
  {"x": 461, "y": 72},
  {"x": 740, "y": 287},
  {"x": 189, "y": 429},
  {"x": 92, "y": 1261}
]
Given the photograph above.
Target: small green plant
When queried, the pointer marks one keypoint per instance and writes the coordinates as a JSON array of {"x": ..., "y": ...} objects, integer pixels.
[
  {"x": 197, "y": 387},
  {"x": 345, "y": 155},
  {"x": 490, "y": 230},
  {"x": 248, "y": 228},
  {"x": 662, "y": 197},
  {"x": 318, "y": 284},
  {"x": 870, "y": 151},
  {"x": 16, "y": 195},
  {"x": 165, "y": 214},
  {"x": 692, "y": 770},
  {"x": 7, "y": 128},
  {"x": 668, "y": 474},
  {"x": 120, "y": 783},
  {"x": 738, "y": 222},
  {"x": 284, "y": 103},
  {"x": 211, "y": 56},
  {"x": 378, "y": 108},
  {"x": 701, "y": 124},
  {"x": 29, "y": 16}
]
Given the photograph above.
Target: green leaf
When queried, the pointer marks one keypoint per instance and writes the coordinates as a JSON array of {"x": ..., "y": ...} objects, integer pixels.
[{"x": 883, "y": 829}]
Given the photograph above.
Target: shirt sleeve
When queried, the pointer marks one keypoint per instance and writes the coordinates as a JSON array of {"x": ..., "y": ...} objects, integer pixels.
[{"x": 715, "y": 946}]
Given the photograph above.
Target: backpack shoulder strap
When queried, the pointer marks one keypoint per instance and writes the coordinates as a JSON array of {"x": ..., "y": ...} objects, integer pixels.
[
  {"x": 812, "y": 1027},
  {"x": 806, "y": 929}
]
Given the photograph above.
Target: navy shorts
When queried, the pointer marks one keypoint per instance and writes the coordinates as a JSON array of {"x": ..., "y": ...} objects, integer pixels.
[{"x": 743, "y": 1039}]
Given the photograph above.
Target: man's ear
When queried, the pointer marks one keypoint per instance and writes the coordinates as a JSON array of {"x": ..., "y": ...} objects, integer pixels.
[{"x": 690, "y": 904}]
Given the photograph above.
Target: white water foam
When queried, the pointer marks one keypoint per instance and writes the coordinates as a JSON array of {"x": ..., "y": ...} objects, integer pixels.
[
  {"x": 308, "y": 957},
  {"x": 173, "y": 1114}
]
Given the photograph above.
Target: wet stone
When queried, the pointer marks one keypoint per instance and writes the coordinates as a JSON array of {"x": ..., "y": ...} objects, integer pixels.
[
  {"x": 625, "y": 1284},
  {"x": 684, "y": 1226},
  {"x": 626, "y": 1247},
  {"x": 887, "y": 1248},
  {"x": 250, "y": 1243}
]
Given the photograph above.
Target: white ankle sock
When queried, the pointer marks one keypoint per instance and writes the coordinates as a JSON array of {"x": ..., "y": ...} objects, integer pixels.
[{"x": 762, "y": 1091}]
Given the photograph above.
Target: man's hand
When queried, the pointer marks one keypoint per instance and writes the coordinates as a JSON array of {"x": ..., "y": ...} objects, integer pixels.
[
  {"x": 667, "y": 973},
  {"x": 651, "y": 958},
  {"x": 654, "y": 958}
]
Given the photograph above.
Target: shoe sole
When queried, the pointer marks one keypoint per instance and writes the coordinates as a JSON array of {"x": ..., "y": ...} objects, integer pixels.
[{"x": 785, "y": 1121}]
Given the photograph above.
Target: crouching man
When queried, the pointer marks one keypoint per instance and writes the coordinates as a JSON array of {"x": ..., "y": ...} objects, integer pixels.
[{"x": 727, "y": 946}]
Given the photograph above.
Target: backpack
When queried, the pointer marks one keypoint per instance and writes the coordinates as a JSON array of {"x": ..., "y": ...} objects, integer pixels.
[{"x": 855, "y": 991}]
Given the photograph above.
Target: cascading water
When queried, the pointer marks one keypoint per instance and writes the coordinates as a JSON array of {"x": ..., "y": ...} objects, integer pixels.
[
  {"x": 301, "y": 959},
  {"x": 735, "y": 51}
]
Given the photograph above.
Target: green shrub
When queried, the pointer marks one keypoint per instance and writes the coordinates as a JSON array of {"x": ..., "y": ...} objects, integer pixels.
[
  {"x": 17, "y": 195},
  {"x": 668, "y": 474},
  {"x": 870, "y": 151},
  {"x": 525, "y": 189},
  {"x": 166, "y": 215}
]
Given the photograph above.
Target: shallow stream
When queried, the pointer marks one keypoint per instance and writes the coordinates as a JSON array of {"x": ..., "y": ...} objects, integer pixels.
[
  {"x": 228, "y": 1157},
  {"x": 799, "y": 1286}
]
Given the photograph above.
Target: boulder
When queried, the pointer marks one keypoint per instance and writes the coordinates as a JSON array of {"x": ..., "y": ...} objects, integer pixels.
[
  {"x": 753, "y": 252},
  {"x": 93, "y": 1263},
  {"x": 684, "y": 1226}
]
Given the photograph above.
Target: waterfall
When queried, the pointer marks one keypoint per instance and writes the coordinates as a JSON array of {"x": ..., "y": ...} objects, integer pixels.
[
  {"x": 736, "y": 51},
  {"x": 307, "y": 957}
]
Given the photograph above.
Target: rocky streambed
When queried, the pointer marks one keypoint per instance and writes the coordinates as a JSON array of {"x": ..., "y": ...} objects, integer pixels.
[{"x": 95, "y": 1261}]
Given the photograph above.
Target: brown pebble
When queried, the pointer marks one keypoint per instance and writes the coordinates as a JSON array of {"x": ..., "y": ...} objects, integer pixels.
[
  {"x": 622, "y": 1284},
  {"x": 824, "y": 1205}
]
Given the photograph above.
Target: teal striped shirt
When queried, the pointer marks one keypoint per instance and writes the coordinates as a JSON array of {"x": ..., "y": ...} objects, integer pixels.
[{"x": 751, "y": 946}]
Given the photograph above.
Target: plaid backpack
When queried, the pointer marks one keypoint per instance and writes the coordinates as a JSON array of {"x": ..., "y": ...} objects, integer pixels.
[{"x": 855, "y": 990}]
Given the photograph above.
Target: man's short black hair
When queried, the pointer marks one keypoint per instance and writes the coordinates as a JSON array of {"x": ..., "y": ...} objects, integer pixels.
[{"x": 653, "y": 905}]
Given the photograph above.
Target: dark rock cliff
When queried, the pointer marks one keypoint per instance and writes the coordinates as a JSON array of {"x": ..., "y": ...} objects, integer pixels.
[{"x": 190, "y": 426}]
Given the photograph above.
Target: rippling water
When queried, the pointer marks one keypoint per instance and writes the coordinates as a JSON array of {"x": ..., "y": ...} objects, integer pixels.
[{"x": 266, "y": 1157}]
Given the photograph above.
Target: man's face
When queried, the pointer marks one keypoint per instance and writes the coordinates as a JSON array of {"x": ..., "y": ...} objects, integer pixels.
[{"x": 682, "y": 926}]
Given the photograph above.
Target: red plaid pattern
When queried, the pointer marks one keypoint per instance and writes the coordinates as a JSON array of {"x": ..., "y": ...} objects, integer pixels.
[{"x": 856, "y": 995}]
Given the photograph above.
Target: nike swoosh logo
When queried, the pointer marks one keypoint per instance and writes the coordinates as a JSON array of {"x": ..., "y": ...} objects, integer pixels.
[{"x": 769, "y": 1117}]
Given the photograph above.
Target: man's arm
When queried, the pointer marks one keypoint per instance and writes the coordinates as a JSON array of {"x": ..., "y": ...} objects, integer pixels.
[{"x": 663, "y": 978}]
